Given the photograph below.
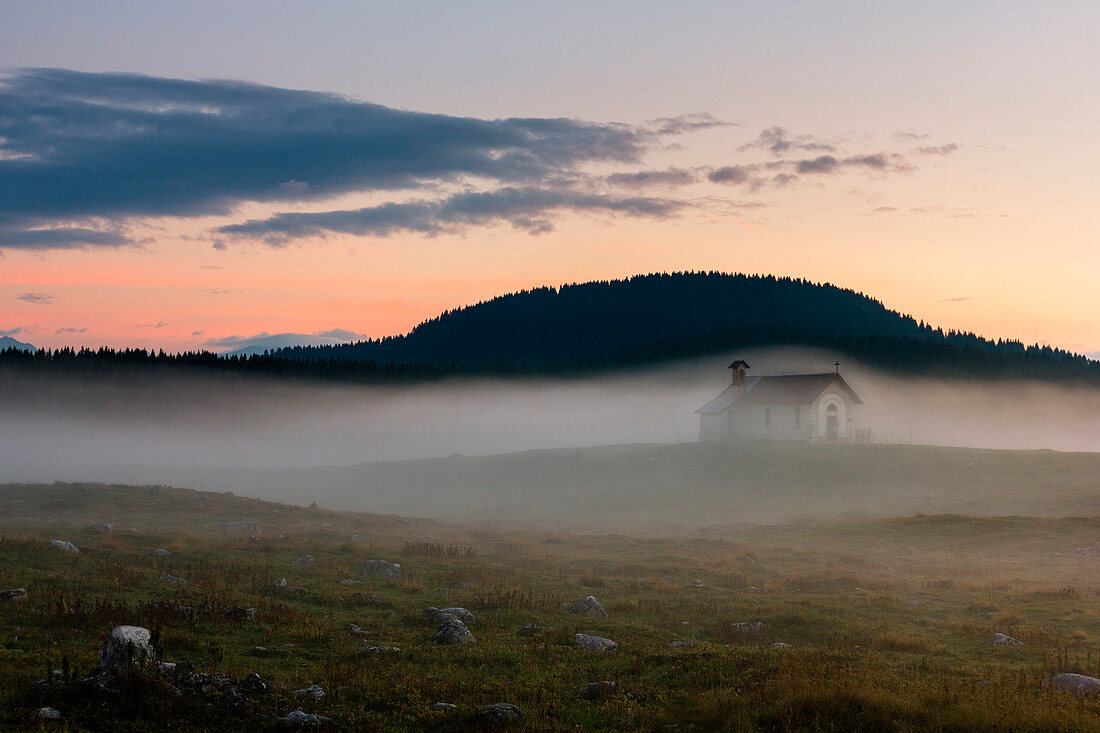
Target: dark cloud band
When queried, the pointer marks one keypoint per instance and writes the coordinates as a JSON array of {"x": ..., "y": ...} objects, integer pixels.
[
  {"x": 528, "y": 209},
  {"x": 76, "y": 147}
]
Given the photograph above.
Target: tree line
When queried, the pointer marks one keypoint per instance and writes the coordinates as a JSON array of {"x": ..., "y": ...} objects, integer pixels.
[{"x": 617, "y": 324}]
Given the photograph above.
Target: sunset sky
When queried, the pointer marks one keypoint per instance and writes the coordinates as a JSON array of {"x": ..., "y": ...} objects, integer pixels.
[{"x": 190, "y": 175}]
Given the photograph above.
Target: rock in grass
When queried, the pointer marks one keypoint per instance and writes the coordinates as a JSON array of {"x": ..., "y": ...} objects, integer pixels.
[
  {"x": 499, "y": 715},
  {"x": 781, "y": 645},
  {"x": 127, "y": 646},
  {"x": 355, "y": 629},
  {"x": 679, "y": 643},
  {"x": 304, "y": 560},
  {"x": 13, "y": 595},
  {"x": 169, "y": 579},
  {"x": 65, "y": 545},
  {"x": 1005, "y": 640},
  {"x": 313, "y": 691},
  {"x": 1075, "y": 684},
  {"x": 595, "y": 643},
  {"x": 383, "y": 569},
  {"x": 453, "y": 631},
  {"x": 753, "y": 627},
  {"x": 280, "y": 583},
  {"x": 531, "y": 630},
  {"x": 105, "y": 528},
  {"x": 601, "y": 690},
  {"x": 302, "y": 719},
  {"x": 443, "y": 707},
  {"x": 162, "y": 553},
  {"x": 377, "y": 651},
  {"x": 350, "y": 581},
  {"x": 588, "y": 606},
  {"x": 441, "y": 614},
  {"x": 245, "y": 526},
  {"x": 48, "y": 714}
]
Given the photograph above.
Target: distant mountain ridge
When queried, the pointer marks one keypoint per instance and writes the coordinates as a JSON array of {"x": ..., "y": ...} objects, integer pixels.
[
  {"x": 657, "y": 317},
  {"x": 275, "y": 341},
  {"x": 7, "y": 342}
]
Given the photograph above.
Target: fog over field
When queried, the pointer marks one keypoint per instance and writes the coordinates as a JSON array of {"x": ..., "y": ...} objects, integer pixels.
[{"x": 82, "y": 431}]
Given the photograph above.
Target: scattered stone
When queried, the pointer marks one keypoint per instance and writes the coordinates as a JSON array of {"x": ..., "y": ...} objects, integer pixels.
[
  {"x": 162, "y": 553},
  {"x": 354, "y": 538},
  {"x": 462, "y": 585},
  {"x": 754, "y": 627},
  {"x": 595, "y": 643},
  {"x": 269, "y": 651},
  {"x": 326, "y": 525},
  {"x": 531, "y": 630},
  {"x": 295, "y": 590},
  {"x": 301, "y": 719},
  {"x": 379, "y": 651},
  {"x": 169, "y": 579},
  {"x": 362, "y": 599},
  {"x": 499, "y": 715},
  {"x": 781, "y": 645},
  {"x": 254, "y": 683},
  {"x": 699, "y": 584},
  {"x": 65, "y": 545},
  {"x": 181, "y": 678},
  {"x": 245, "y": 526},
  {"x": 442, "y": 614},
  {"x": 48, "y": 714},
  {"x": 383, "y": 569},
  {"x": 350, "y": 581},
  {"x": 443, "y": 707},
  {"x": 754, "y": 589},
  {"x": 304, "y": 560},
  {"x": 313, "y": 691},
  {"x": 280, "y": 583},
  {"x": 453, "y": 631},
  {"x": 104, "y": 528},
  {"x": 1005, "y": 640},
  {"x": 206, "y": 500},
  {"x": 601, "y": 690},
  {"x": 355, "y": 629},
  {"x": 13, "y": 595},
  {"x": 588, "y": 606},
  {"x": 679, "y": 643},
  {"x": 1075, "y": 684},
  {"x": 126, "y": 646}
]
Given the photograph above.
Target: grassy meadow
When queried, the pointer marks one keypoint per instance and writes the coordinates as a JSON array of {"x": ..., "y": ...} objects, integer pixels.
[
  {"x": 888, "y": 620},
  {"x": 670, "y": 489}
]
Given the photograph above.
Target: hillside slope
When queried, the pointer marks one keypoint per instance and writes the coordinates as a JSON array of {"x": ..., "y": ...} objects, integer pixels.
[
  {"x": 657, "y": 317},
  {"x": 673, "y": 488}
]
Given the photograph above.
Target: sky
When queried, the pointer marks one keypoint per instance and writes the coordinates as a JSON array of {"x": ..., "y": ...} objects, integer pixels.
[{"x": 192, "y": 175}]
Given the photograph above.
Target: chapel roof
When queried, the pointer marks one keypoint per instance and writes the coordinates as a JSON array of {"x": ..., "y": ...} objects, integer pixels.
[{"x": 787, "y": 389}]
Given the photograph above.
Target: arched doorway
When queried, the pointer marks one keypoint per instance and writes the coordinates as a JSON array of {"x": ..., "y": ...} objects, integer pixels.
[
  {"x": 832, "y": 424},
  {"x": 832, "y": 419}
]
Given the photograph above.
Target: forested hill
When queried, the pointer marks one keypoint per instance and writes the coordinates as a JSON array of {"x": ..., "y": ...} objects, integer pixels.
[
  {"x": 649, "y": 318},
  {"x": 617, "y": 325}
]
